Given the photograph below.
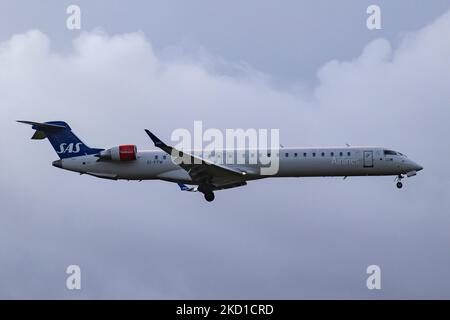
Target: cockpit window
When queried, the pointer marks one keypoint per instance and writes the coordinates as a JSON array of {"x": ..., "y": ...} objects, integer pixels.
[{"x": 392, "y": 153}]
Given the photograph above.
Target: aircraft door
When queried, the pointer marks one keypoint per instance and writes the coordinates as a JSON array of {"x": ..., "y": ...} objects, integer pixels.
[{"x": 368, "y": 159}]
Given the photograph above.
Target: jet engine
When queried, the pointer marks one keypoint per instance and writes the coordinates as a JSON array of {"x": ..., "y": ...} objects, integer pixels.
[{"x": 127, "y": 152}]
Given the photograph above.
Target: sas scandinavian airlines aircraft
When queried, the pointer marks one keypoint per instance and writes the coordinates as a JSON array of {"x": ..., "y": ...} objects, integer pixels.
[{"x": 207, "y": 175}]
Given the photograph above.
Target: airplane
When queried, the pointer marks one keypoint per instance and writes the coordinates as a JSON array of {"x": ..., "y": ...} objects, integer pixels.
[{"x": 208, "y": 175}]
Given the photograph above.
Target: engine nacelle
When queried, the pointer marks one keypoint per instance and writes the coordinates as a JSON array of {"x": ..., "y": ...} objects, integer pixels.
[{"x": 126, "y": 152}]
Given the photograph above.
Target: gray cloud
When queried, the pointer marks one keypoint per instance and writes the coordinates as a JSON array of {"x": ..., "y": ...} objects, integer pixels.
[{"x": 286, "y": 238}]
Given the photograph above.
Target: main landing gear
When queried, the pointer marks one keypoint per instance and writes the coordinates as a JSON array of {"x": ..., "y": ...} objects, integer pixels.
[
  {"x": 399, "y": 181},
  {"x": 209, "y": 196},
  {"x": 207, "y": 191}
]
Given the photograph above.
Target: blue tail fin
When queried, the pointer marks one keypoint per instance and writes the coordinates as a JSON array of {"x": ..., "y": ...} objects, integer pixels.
[{"x": 63, "y": 140}]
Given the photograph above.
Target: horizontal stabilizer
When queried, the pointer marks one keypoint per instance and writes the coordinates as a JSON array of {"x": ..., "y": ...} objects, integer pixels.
[{"x": 44, "y": 126}]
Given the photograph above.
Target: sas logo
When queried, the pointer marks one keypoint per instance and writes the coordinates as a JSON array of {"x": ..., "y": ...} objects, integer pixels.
[{"x": 70, "y": 148}]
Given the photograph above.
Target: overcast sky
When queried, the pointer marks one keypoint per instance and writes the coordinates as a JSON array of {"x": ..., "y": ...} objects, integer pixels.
[{"x": 309, "y": 68}]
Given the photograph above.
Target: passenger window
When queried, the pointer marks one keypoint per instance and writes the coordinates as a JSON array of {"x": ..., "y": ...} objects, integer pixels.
[
  {"x": 286, "y": 154},
  {"x": 340, "y": 154},
  {"x": 323, "y": 154},
  {"x": 304, "y": 154},
  {"x": 156, "y": 157},
  {"x": 164, "y": 157},
  {"x": 313, "y": 154},
  {"x": 349, "y": 154},
  {"x": 295, "y": 154},
  {"x": 332, "y": 154}
]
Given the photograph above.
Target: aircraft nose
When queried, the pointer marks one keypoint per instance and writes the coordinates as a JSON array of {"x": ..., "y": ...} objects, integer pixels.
[
  {"x": 416, "y": 166},
  {"x": 57, "y": 163}
]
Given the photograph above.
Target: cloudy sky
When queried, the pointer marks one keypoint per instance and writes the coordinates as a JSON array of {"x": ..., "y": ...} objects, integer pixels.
[{"x": 310, "y": 68}]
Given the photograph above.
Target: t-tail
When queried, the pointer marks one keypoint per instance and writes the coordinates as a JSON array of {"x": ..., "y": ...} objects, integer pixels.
[{"x": 61, "y": 137}]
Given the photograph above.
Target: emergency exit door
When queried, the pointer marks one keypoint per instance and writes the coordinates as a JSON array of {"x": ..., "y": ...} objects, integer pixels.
[{"x": 368, "y": 159}]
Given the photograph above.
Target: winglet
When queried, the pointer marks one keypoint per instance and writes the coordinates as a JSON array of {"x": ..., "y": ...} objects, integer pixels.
[
  {"x": 183, "y": 187},
  {"x": 158, "y": 143}
]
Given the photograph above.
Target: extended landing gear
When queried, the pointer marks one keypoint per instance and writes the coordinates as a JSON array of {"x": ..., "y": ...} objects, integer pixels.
[
  {"x": 207, "y": 191},
  {"x": 209, "y": 196},
  {"x": 399, "y": 181}
]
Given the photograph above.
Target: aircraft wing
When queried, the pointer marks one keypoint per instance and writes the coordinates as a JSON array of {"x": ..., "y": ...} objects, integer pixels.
[{"x": 201, "y": 170}]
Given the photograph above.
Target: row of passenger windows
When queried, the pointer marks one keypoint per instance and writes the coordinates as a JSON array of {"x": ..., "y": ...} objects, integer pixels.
[
  {"x": 313, "y": 154},
  {"x": 287, "y": 154}
]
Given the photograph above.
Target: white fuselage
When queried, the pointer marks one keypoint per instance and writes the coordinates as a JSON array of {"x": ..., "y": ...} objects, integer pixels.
[{"x": 293, "y": 162}]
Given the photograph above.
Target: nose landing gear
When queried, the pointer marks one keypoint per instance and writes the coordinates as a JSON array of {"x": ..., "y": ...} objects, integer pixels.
[{"x": 399, "y": 181}]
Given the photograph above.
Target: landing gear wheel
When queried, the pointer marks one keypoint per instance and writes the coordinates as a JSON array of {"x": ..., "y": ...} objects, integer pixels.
[
  {"x": 209, "y": 196},
  {"x": 399, "y": 185}
]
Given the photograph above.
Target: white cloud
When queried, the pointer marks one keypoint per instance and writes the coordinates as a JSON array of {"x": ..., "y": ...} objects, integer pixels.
[{"x": 109, "y": 88}]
